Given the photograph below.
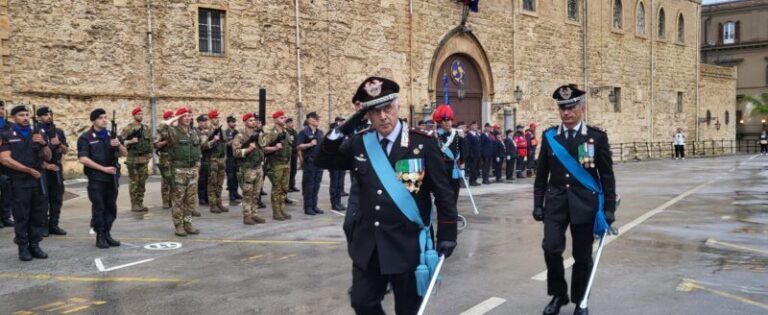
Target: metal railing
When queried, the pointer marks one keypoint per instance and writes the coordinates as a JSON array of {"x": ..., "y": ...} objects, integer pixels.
[{"x": 634, "y": 151}]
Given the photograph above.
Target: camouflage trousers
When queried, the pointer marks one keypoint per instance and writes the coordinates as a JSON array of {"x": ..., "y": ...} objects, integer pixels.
[
  {"x": 216, "y": 172},
  {"x": 165, "y": 183},
  {"x": 278, "y": 176},
  {"x": 184, "y": 194},
  {"x": 250, "y": 180},
  {"x": 138, "y": 173}
]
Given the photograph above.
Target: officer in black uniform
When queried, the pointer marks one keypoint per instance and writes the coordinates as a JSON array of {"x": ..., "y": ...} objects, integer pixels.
[
  {"x": 561, "y": 200},
  {"x": 336, "y": 189},
  {"x": 5, "y": 180},
  {"x": 232, "y": 187},
  {"x": 308, "y": 144},
  {"x": 99, "y": 151},
  {"x": 289, "y": 128},
  {"x": 57, "y": 142},
  {"x": 23, "y": 150},
  {"x": 383, "y": 243},
  {"x": 448, "y": 138},
  {"x": 202, "y": 181}
]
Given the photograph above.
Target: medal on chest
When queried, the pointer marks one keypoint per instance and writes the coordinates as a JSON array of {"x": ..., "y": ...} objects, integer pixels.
[
  {"x": 587, "y": 153},
  {"x": 411, "y": 173}
]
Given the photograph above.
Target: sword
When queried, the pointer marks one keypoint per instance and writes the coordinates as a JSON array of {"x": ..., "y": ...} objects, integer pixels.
[
  {"x": 585, "y": 301},
  {"x": 471, "y": 198},
  {"x": 431, "y": 285}
]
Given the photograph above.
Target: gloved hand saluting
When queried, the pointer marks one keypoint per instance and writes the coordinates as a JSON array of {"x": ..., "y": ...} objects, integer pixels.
[{"x": 445, "y": 248}]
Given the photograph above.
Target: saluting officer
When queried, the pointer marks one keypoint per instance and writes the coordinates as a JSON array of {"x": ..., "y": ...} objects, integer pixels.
[
  {"x": 452, "y": 146},
  {"x": 23, "y": 151},
  {"x": 278, "y": 144},
  {"x": 136, "y": 138},
  {"x": 57, "y": 142},
  {"x": 390, "y": 160},
  {"x": 561, "y": 200},
  {"x": 96, "y": 151}
]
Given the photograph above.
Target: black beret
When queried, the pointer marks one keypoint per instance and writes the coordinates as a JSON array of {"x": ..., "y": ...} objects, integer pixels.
[
  {"x": 568, "y": 96},
  {"x": 96, "y": 113},
  {"x": 339, "y": 118},
  {"x": 18, "y": 109},
  {"x": 45, "y": 110},
  {"x": 312, "y": 115},
  {"x": 376, "y": 92},
  {"x": 231, "y": 118},
  {"x": 202, "y": 117},
  {"x": 289, "y": 120},
  {"x": 2, "y": 104}
]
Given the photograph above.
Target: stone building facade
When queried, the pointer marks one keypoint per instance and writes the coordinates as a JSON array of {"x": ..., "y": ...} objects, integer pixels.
[{"x": 643, "y": 75}]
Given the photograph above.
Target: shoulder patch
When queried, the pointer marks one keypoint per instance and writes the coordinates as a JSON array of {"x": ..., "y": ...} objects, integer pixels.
[
  {"x": 594, "y": 128},
  {"x": 420, "y": 133}
]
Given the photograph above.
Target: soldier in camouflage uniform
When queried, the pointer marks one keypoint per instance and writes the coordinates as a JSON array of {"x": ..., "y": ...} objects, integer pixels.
[
  {"x": 247, "y": 147},
  {"x": 215, "y": 154},
  {"x": 183, "y": 144},
  {"x": 164, "y": 162},
  {"x": 136, "y": 137},
  {"x": 277, "y": 146}
]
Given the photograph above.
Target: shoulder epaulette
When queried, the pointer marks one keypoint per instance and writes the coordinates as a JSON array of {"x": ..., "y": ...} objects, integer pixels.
[
  {"x": 598, "y": 129},
  {"x": 414, "y": 131}
]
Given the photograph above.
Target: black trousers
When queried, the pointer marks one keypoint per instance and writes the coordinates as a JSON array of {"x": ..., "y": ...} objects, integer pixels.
[
  {"x": 232, "y": 184},
  {"x": 520, "y": 165},
  {"x": 764, "y": 148},
  {"x": 679, "y": 151},
  {"x": 5, "y": 199},
  {"x": 55, "y": 198},
  {"x": 352, "y": 206},
  {"x": 369, "y": 287},
  {"x": 532, "y": 159},
  {"x": 554, "y": 245},
  {"x": 337, "y": 186},
  {"x": 310, "y": 185},
  {"x": 472, "y": 168},
  {"x": 497, "y": 168},
  {"x": 487, "y": 162},
  {"x": 202, "y": 183},
  {"x": 30, "y": 213},
  {"x": 292, "y": 175},
  {"x": 103, "y": 196},
  {"x": 510, "y": 170}
]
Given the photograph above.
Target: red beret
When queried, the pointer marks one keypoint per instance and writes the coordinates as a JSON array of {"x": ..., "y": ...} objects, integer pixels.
[
  {"x": 532, "y": 126},
  {"x": 213, "y": 114},
  {"x": 183, "y": 110},
  {"x": 136, "y": 110},
  {"x": 443, "y": 112},
  {"x": 247, "y": 116},
  {"x": 278, "y": 114},
  {"x": 167, "y": 114}
]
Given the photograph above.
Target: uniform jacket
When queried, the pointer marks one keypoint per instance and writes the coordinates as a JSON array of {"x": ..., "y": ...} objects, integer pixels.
[
  {"x": 473, "y": 145},
  {"x": 378, "y": 225},
  {"x": 90, "y": 145},
  {"x": 511, "y": 148},
  {"x": 500, "y": 152},
  {"x": 486, "y": 142},
  {"x": 458, "y": 147},
  {"x": 559, "y": 193}
]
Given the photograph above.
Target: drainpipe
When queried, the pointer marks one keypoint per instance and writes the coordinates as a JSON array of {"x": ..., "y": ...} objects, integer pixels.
[
  {"x": 652, "y": 63},
  {"x": 299, "y": 103},
  {"x": 585, "y": 35},
  {"x": 410, "y": 62},
  {"x": 152, "y": 97},
  {"x": 698, "y": 73},
  {"x": 514, "y": 56}
]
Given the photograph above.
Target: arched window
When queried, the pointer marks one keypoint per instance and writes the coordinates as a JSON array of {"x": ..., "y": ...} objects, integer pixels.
[
  {"x": 618, "y": 18},
  {"x": 680, "y": 29},
  {"x": 640, "y": 17},
  {"x": 573, "y": 10},
  {"x": 662, "y": 24}
]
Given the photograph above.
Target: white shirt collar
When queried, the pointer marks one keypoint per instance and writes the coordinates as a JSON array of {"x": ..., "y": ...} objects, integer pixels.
[
  {"x": 578, "y": 126},
  {"x": 392, "y": 137}
]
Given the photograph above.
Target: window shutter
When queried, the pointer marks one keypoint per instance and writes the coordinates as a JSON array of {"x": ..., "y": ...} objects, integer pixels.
[
  {"x": 737, "y": 37},
  {"x": 720, "y": 33}
]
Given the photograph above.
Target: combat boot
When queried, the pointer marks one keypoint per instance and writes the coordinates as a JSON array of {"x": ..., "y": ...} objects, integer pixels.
[
  {"x": 180, "y": 230},
  {"x": 36, "y": 251},
  {"x": 256, "y": 218},
  {"x": 285, "y": 215},
  {"x": 7, "y": 222},
  {"x": 248, "y": 220},
  {"x": 190, "y": 229},
  {"x": 101, "y": 241},
  {"x": 195, "y": 213},
  {"x": 136, "y": 209},
  {"x": 222, "y": 208},
  {"x": 111, "y": 241},
  {"x": 56, "y": 230},
  {"x": 214, "y": 209},
  {"x": 277, "y": 215},
  {"x": 166, "y": 205},
  {"x": 144, "y": 209},
  {"x": 24, "y": 254}
]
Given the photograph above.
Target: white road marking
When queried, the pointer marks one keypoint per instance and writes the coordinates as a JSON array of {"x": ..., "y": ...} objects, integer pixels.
[
  {"x": 339, "y": 213},
  {"x": 485, "y": 306},
  {"x": 713, "y": 242},
  {"x": 100, "y": 264}
]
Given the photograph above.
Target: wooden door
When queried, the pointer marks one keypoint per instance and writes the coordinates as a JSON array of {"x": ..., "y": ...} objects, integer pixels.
[{"x": 460, "y": 69}]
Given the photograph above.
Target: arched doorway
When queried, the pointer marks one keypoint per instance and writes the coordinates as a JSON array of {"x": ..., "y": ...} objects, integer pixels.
[{"x": 465, "y": 88}]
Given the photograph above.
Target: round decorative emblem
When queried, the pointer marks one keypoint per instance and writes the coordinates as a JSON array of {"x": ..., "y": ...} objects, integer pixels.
[
  {"x": 163, "y": 246},
  {"x": 457, "y": 71}
]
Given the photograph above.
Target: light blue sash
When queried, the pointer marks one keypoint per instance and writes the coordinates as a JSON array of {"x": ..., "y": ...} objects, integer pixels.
[
  {"x": 586, "y": 179},
  {"x": 407, "y": 205}
]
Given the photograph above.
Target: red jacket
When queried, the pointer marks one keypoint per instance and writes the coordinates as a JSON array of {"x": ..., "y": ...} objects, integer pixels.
[{"x": 522, "y": 145}]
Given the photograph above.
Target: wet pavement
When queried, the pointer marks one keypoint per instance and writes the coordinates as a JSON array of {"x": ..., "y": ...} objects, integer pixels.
[{"x": 693, "y": 241}]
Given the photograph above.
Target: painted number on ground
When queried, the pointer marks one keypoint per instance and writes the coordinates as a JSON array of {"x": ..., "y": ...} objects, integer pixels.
[{"x": 163, "y": 246}]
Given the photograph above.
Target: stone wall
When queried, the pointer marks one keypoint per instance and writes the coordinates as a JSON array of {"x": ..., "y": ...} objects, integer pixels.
[
  {"x": 718, "y": 95},
  {"x": 5, "y": 52}
]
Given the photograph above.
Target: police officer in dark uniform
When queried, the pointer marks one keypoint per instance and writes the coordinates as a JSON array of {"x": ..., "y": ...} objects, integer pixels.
[
  {"x": 448, "y": 139},
  {"x": 57, "y": 142},
  {"x": 561, "y": 200},
  {"x": 383, "y": 243},
  {"x": 230, "y": 133},
  {"x": 336, "y": 189},
  {"x": 23, "y": 151},
  {"x": 99, "y": 150},
  {"x": 308, "y": 144},
  {"x": 5, "y": 180}
]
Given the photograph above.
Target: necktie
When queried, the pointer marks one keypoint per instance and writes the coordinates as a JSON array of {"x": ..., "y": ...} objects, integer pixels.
[
  {"x": 384, "y": 142},
  {"x": 572, "y": 134}
]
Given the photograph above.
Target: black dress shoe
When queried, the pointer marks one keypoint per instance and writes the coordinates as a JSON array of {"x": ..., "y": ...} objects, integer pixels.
[
  {"x": 7, "y": 222},
  {"x": 44, "y": 233},
  {"x": 203, "y": 203},
  {"x": 260, "y": 205},
  {"x": 309, "y": 212},
  {"x": 56, "y": 230},
  {"x": 553, "y": 308},
  {"x": 263, "y": 193},
  {"x": 293, "y": 189},
  {"x": 238, "y": 197},
  {"x": 339, "y": 207},
  {"x": 101, "y": 241},
  {"x": 111, "y": 241},
  {"x": 474, "y": 184},
  {"x": 289, "y": 201},
  {"x": 344, "y": 194},
  {"x": 36, "y": 252},
  {"x": 581, "y": 311},
  {"x": 486, "y": 182},
  {"x": 318, "y": 211},
  {"x": 24, "y": 254}
]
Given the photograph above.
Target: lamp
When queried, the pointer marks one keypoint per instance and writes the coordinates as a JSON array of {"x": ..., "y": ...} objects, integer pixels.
[
  {"x": 518, "y": 94},
  {"x": 717, "y": 125},
  {"x": 612, "y": 97}
]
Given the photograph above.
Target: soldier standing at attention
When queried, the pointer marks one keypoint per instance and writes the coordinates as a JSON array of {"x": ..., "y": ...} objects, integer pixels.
[
  {"x": 308, "y": 144},
  {"x": 5, "y": 180},
  {"x": 229, "y": 134},
  {"x": 561, "y": 200},
  {"x": 336, "y": 189},
  {"x": 289, "y": 128},
  {"x": 278, "y": 146},
  {"x": 164, "y": 161},
  {"x": 183, "y": 144},
  {"x": 136, "y": 137},
  {"x": 202, "y": 187},
  {"x": 247, "y": 148},
  {"x": 214, "y": 152},
  {"x": 99, "y": 152},
  {"x": 398, "y": 171},
  {"x": 57, "y": 142},
  {"x": 23, "y": 151}
]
